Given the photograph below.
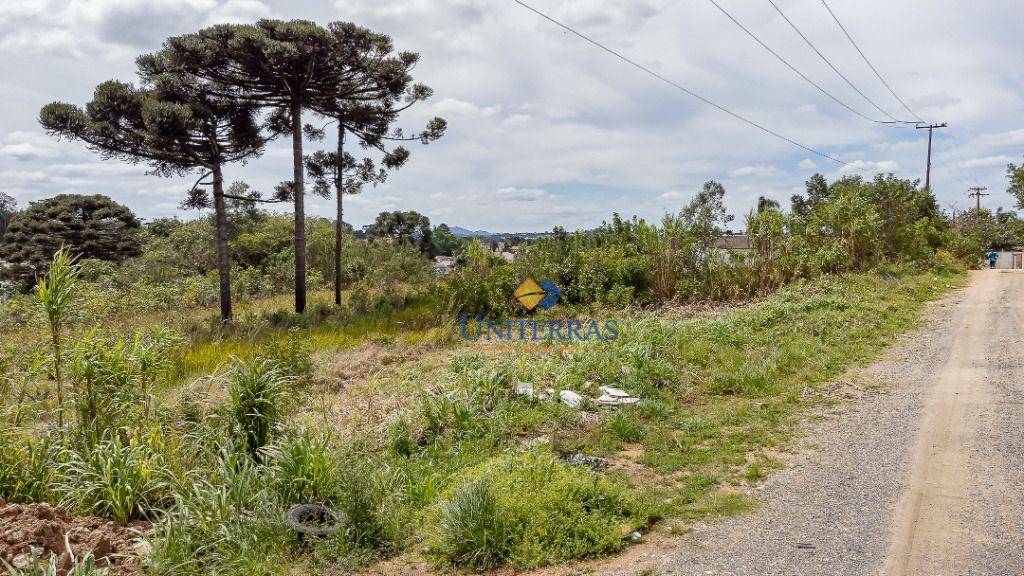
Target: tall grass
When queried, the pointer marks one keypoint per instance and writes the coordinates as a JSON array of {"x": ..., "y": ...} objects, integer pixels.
[
  {"x": 117, "y": 479},
  {"x": 56, "y": 294},
  {"x": 256, "y": 396},
  {"x": 303, "y": 469},
  {"x": 473, "y": 530}
]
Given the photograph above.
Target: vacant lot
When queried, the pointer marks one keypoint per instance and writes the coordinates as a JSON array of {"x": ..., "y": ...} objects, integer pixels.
[{"x": 422, "y": 442}]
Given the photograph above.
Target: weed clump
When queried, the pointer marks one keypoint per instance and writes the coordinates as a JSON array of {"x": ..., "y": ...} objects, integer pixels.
[
  {"x": 532, "y": 509},
  {"x": 122, "y": 480},
  {"x": 256, "y": 395}
]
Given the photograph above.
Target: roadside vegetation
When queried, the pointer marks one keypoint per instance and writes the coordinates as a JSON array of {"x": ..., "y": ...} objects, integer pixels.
[
  {"x": 199, "y": 378},
  {"x": 419, "y": 439}
]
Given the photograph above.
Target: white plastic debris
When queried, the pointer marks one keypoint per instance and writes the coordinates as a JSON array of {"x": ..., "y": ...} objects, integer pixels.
[
  {"x": 570, "y": 398},
  {"x": 615, "y": 397},
  {"x": 615, "y": 392},
  {"x": 635, "y": 537},
  {"x": 594, "y": 462},
  {"x": 607, "y": 400},
  {"x": 525, "y": 389}
]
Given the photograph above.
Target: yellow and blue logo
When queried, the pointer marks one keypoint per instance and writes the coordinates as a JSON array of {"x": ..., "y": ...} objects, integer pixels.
[{"x": 532, "y": 294}]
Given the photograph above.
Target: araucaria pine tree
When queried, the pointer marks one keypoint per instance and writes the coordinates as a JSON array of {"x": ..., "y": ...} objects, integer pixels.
[
  {"x": 293, "y": 66},
  {"x": 175, "y": 123},
  {"x": 365, "y": 104}
]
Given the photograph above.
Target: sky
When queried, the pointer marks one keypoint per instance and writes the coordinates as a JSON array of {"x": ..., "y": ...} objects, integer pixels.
[{"x": 546, "y": 129}]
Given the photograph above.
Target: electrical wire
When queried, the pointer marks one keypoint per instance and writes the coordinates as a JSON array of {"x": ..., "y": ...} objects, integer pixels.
[
  {"x": 868, "y": 62},
  {"x": 676, "y": 85},
  {"x": 960, "y": 161},
  {"x": 833, "y": 67},
  {"x": 790, "y": 66}
]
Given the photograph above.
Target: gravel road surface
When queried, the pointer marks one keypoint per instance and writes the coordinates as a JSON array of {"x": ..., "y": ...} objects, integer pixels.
[{"x": 922, "y": 477}]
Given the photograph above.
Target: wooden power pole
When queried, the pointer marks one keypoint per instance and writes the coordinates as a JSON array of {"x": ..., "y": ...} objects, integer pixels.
[
  {"x": 928, "y": 170},
  {"x": 977, "y": 192}
]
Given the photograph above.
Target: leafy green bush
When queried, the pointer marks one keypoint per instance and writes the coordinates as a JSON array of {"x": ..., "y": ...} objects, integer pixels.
[
  {"x": 29, "y": 469},
  {"x": 473, "y": 529},
  {"x": 291, "y": 352},
  {"x": 368, "y": 494},
  {"x": 224, "y": 521}
]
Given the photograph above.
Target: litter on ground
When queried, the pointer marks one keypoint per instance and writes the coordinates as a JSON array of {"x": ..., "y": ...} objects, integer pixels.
[
  {"x": 615, "y": 397},
  {"x": 570, "y": 398},
  {"x": 593, "y": 462}
]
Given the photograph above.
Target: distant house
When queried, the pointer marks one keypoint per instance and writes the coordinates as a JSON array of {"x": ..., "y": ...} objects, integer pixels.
[
  {"x": 733, "y": 247},
  {"x": 733, "y": 242},
  {"x": 444, "y": 264}
]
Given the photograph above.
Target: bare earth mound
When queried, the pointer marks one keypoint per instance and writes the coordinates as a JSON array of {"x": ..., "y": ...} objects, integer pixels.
[{"x": 44, "y": 530}]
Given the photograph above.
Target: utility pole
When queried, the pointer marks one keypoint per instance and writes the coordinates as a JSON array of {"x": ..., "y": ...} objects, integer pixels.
[
  {"x": 977, "y": 192},
  {"x": 928, "y": 171}
]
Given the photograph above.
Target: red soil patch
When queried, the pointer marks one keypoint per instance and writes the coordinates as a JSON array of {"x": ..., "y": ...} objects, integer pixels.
[{"x": 44, "y": 531}]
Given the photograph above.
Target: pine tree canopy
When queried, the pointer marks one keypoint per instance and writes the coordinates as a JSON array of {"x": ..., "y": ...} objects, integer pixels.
[{"x": 91, "y": 226}]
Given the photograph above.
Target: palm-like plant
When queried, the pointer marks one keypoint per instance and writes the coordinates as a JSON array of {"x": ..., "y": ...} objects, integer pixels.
[{"x": 56, "y": 293}]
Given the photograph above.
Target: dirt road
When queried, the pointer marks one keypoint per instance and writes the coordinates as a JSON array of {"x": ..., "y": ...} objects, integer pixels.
[{"x": 925, "y": 477}]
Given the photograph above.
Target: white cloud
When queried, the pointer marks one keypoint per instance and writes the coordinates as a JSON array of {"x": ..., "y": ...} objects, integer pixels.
[
  {"x": 869, "y": 167},
  {"x": 236, "y": 11},
  {"x": 531, "y": 108},
  {"x": 455, "y": 107},
  {"x": 759, "y": 171},
  {"x": 24, "y": 145},
  {"x": 989, "y": 161},
  {"x": 1010, "y": 138},
  {"x": 513, "y": 194}
]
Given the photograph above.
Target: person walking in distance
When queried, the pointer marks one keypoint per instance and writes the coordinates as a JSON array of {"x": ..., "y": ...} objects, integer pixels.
[{"x": 992, "y": 257}]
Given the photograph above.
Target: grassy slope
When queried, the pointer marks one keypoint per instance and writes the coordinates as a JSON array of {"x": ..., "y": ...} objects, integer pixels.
[
  {"x": 439, "y": 425},
  {"x": 722, "y": 391}
]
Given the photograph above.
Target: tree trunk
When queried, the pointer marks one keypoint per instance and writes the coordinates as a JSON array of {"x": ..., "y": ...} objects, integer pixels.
[
  {"x": 220, "y": 212},
  {"x": 299, "y": 190},
  {"x": 338, "y": 232}
]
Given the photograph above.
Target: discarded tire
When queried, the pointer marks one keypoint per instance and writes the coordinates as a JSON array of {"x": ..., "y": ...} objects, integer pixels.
[{"x": 312, "y": 520}]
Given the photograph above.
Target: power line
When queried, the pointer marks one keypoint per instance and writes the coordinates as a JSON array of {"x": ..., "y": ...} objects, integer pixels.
[
  {"x": 953, "y": 143},
  {"x": 676, "y": 85},
  {"x": 955, "y": 166},
  {"x": 790, "y": 66},
  {"x": 832, "y": 66},
  {"x": 868, "y": 62}
]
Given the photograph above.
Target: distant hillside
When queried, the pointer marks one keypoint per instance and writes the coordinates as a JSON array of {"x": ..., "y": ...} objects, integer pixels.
[{"x": 466, "y": 233}]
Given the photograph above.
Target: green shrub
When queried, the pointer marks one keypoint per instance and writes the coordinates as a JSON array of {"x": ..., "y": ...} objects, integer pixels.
[
  {"x": 292, "y": 352},
  {"x": 29, "y": 469},
  {"x": 223, "y": 522},
  {"x": 473, "y": 528},
  {"x": 624, "y": 427},
  {"x": 400, "y": 438},
  {"x": 367, "y": 499},
  {"x": 530, "y": 510}
]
